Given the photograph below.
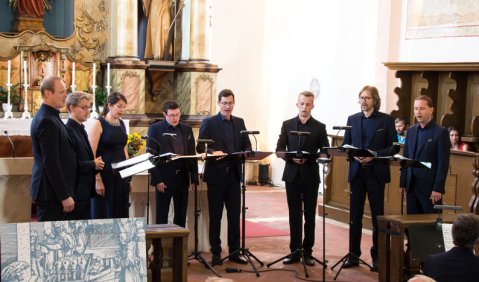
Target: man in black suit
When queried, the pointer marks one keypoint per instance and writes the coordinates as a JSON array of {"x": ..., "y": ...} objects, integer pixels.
[
  {"x": 375, "y": 131},
  {"x": 223, "y": 175},
  {"x": 426, "y": 142},
  {"x": 55, "y": 162},
  {"x": 78, "y": 105},
  {"x": 459, "y": 263},
  {"x": 172, "y": 179},
  {"x": 302, "y": 176}
]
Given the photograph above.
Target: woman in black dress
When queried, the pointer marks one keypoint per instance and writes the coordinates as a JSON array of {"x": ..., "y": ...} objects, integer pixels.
[{"x": 108, "y": 139}]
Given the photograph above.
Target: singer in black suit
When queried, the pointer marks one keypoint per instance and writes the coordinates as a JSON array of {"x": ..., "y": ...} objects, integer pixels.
[
  {"x": 459, "y": 263},
  {"x": 375, "y": 131},
  {"x": 426, "y": 142},
  {"x": 223, "y": 175},
  {"x": 55, "y": 163},
  {"x": 302, "y": 176},
  {"x": 172, "y": 179},
  {"x": 78, "y": 105}
]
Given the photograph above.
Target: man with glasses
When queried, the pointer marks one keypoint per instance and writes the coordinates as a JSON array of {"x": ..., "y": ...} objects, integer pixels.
[
  {"x": 172, "y": 179},
  {"x": 78, "y": 105},
  {"x": 223, "y": 175},
  {"x": 375, "y": 131}
]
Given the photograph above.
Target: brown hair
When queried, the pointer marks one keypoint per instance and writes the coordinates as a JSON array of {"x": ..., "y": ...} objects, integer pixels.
[
  {"x": 73, "y": 99},
  {"x": 225, "y": 93},
  {"x": 49, "y": 84},
  {"x": 426, "y": 98},
  {"x": 374, "y": 91},
  {"x": 112, "y": 99}
]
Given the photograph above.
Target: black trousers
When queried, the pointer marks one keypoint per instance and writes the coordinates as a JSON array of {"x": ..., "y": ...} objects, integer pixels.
[
  {"x": 301, "y": 191},
  {"x": 80, "y": 212},
  {"x": 227, "y": 194},
  {"x": 178, "y": 190},
  {"x": 364, "y": 183},
  {"x": 417, "y": 202},
  {"x": 50, "y": 211}
]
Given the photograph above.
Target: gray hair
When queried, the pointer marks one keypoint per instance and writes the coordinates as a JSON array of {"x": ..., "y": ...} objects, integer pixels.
[{"x": 73, "y": 99}]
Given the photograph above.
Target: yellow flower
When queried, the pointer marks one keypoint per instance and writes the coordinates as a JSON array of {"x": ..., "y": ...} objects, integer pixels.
[{"x": 135, "y": 143}]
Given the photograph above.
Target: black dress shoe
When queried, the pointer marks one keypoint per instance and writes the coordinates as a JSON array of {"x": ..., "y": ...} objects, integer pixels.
[
  {"x": 374, "y": 266},
  {"x": 238, "y": 259},
  {"x": 309, "y": 261},
  {"x": 350, "y": 262},
  {"x": 216, "y": 260},
  {"x": 291, "y": 260}
]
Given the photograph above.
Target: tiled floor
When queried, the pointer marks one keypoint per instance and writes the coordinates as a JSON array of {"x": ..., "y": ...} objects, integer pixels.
[{"x": 267, "y": 205}]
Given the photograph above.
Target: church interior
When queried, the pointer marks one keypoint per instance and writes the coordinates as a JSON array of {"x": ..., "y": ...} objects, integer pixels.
[{"x": 266, "y": 52}]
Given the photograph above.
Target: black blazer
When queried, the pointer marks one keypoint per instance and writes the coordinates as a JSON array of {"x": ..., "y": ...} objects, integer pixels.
[
  {"x": 436, "y": 150},
  {"x": 55, "y": 162},
  {"x": 457, "y": 264},
  {"x": 212, "y": 128},
  {"x": 382, "y": 139},
  {"x": 85, "y": 183},
  {"x": 164, "y": 172},
  {"x": 312, "y": 143}
]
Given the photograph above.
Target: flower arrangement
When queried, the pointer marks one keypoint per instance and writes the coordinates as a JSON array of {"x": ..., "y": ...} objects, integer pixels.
[{"x": 135, "y": 143}]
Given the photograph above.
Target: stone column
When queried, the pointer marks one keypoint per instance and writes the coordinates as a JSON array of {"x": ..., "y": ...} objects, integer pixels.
[
  {"x": 123, "y": 43},
  {"x": 200, "y": 30}
]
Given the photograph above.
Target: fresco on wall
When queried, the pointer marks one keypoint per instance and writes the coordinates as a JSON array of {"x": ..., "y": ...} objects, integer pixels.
[
  {"x": 442, "y": 18},
  {"x": 76, "y": 250}
]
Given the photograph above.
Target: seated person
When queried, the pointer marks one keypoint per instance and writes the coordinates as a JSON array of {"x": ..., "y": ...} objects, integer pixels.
[
  {"x": 455, "y": 137},
  {"x": 459, "y": 263},
  {"x": 401, "y": 124}
]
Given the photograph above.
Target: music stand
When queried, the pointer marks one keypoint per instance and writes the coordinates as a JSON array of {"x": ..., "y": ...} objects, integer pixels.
[
  {"x": 350, "y": 152},
  {"x": 299, "y": 252},
  {"x": 245, "y": 252}
]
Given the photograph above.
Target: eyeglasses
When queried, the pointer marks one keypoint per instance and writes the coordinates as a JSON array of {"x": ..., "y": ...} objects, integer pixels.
[
  {"x": 174, "y": 115},
  {"x": 360, "y": 99},
  {"x": 84, "y": 107},
  {"x": 227, "y": 103}
]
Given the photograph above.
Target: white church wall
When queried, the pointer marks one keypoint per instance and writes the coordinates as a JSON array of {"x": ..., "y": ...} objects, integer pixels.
[{"x": 271, "y": 50}]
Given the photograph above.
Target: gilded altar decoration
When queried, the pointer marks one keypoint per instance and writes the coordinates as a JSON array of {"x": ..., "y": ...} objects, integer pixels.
[{"x": 135, "y": 144}]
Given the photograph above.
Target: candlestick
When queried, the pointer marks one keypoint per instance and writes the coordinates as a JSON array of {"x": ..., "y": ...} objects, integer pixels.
[
  {"x": 25, "y": 80},
  {"x": 93, "y": 77},
  {"x": 9, "y": 70},
  {"x": 108, "y": 74},
  {"x": 73, "y": 77}
]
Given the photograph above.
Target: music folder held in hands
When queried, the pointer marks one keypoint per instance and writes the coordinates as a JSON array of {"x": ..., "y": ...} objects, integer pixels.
[
  {"x": 251, "y": 155},
  {"x": 297, "y": 155},
  {"x": 405, "y": 162},
  {"x": 358, "y": 152}
]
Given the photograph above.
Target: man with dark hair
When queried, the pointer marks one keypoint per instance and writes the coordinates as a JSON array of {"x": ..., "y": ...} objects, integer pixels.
[
  {"x": 372, "y": 130},
  {"x": 55, "y": 162},
  {"x": 78, "y": 105},
  {"x": 172, "y": 179},
  {"x": 459, "y": 263},
  {"x": 426, "y": 142},
  {"x": 302, "y": 176},
  {"x": 223, "y": 175}
]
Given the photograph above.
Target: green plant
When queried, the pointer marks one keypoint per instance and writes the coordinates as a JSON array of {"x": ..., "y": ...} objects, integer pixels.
[
  {"x": 3, "y": 95},
  {"x": 100, "y": 97}
]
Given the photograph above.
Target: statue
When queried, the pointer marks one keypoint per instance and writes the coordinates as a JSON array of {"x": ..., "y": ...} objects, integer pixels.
[
  {"x": 159, "y": 20},
  {"x": 29, "y": 14},
  {"x": 30, "y": 8}
]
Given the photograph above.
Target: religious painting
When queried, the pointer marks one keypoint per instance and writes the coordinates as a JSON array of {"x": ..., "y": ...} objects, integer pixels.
[
  {"x": 76, "y": 250},
  {"x": 442, "y": 18}
]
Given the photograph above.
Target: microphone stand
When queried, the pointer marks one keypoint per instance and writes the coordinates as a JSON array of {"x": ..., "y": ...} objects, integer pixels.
[
  {"x": 11, "y": 143},
  {"x": 196, "y": 255}
]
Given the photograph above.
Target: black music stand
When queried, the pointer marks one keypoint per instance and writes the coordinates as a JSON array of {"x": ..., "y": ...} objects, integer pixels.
[
  {"x": 245, "y": 252},
  {"x": 299, "y": 252},
  {"x": 350, "y": 152}
]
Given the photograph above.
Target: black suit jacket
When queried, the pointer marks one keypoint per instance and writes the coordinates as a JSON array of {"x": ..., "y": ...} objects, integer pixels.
[
  {"x": 436, "y": 150},
  {"x": 382, "y": 139},
  {"x": 55, "y": 162},
  {"x": 457, "y": 264},
  {"x": 85, "y": 179},
  {"x": 164, "y": 172},
  {"x": 312, "y": 143},
  {"x": 213, "y": 128}
]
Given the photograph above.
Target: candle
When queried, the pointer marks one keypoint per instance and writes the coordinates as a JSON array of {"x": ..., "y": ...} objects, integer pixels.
[
  {"x": 25, "y": 81},
  {"x": 73, "y": 74},
  {"x": 108, "y": 74},
  {"x": 93, "y": 75},
  {"x": 9, "y": 70}
]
